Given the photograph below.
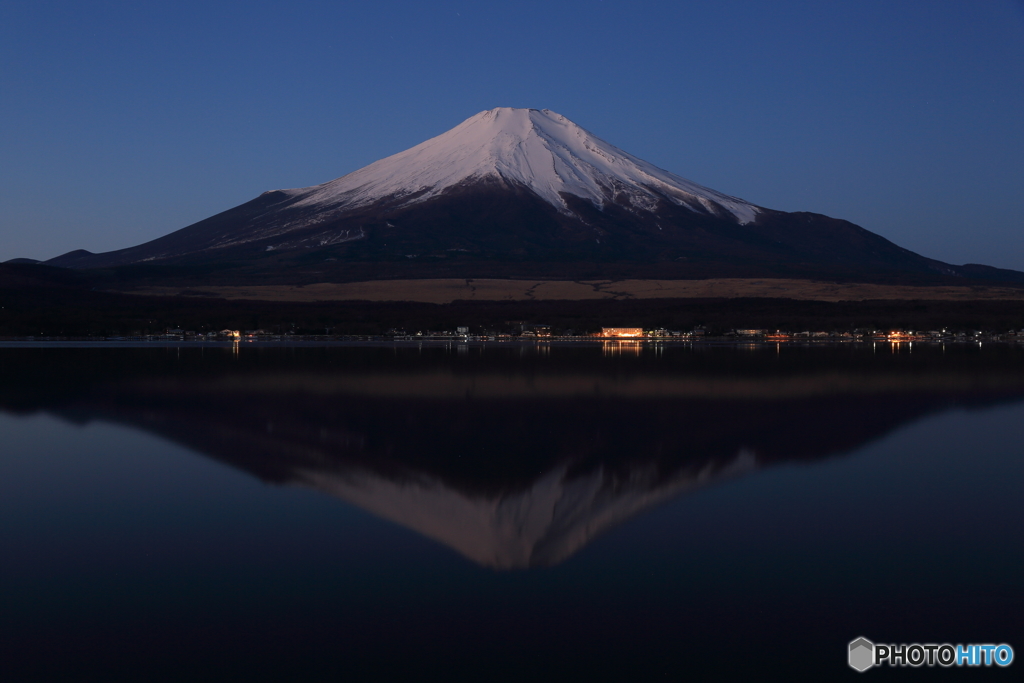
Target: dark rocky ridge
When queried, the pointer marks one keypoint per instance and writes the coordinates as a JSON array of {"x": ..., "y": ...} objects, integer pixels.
[
  {"x": 495, "y": 230},
  {"x": 491, "y": 220}
]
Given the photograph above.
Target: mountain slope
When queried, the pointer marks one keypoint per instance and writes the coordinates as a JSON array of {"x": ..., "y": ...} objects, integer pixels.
[{"x": 523, "y": 187}]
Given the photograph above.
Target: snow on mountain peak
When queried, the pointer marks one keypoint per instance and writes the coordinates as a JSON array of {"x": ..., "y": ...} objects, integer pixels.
[{"x": 539, "y": 149}]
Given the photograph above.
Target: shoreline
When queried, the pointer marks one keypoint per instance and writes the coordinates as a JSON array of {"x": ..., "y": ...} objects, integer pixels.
[{"x": 440, "y": 342}]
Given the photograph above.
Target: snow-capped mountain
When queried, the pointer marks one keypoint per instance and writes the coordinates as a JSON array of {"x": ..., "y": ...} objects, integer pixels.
[
  {"x": 518, "y": 192},
  {"x": 536, "y": 149}
]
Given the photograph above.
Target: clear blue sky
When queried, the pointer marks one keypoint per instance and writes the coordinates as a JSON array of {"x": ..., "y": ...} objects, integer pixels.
[{"x": 123, "y": 121}]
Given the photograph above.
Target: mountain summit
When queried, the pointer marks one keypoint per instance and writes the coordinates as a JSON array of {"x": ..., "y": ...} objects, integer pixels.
[{"x": 520, "y": 192}]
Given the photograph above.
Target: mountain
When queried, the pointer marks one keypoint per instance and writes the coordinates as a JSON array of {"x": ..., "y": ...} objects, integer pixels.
[
  {"x": 512, "y": 461},
  {"x": 520, "y": 191}
]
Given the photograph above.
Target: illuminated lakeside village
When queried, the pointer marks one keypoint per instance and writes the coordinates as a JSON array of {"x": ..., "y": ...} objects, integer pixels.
[{"x": 521, "y": 332}]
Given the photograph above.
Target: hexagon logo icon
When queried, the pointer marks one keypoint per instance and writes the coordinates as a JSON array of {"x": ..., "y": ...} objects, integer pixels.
[{"x": 862, "y": 654}]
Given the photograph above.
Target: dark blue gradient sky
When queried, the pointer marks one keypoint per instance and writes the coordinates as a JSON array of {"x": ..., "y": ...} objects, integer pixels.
[{"x": 123, "y": 121}]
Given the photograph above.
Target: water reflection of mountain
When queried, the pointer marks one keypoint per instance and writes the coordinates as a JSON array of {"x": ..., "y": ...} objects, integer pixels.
[{"x": 513, "y": 462}]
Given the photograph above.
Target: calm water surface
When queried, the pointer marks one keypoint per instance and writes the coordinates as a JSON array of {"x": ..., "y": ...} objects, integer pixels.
[{"x": 330, "y": 513}]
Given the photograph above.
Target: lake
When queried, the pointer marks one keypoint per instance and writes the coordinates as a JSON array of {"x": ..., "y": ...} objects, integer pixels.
[{"x": 618, "y": 511}]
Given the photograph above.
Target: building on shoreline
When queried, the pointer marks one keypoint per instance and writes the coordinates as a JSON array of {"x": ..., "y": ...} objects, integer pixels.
[{"x": 622, "y": 332}]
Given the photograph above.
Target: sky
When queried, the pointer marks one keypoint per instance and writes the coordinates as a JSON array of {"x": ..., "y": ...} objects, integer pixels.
[{"x": 123, "y": 121}]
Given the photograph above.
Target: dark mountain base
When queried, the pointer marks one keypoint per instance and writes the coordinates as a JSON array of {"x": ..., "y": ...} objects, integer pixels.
[
  {"x": 298, "y": 271},
  {"x": 492, "y": 230}
]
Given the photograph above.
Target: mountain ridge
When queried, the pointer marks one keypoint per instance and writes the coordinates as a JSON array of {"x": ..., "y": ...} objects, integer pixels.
[{"x": 519, "y": 191}]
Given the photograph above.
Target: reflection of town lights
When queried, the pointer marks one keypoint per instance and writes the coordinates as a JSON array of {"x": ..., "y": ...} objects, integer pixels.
[{"x": 615, "y": 347}]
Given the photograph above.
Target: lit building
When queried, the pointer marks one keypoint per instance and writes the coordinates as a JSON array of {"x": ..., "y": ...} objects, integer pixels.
[{"x": 622, "y": 332}]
